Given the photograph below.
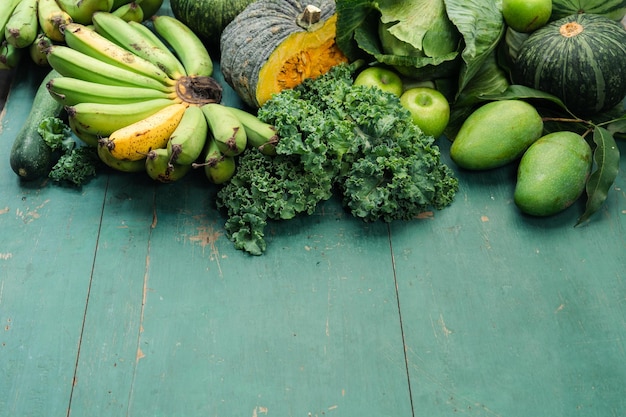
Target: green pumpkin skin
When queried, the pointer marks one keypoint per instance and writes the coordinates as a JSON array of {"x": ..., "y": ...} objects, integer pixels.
[
  {"x": 552, "y": 174},
  {"x": 612, "y": 9},
  {"x": 496, "y": 134},
  {"x": 581, "y": 59},
  {"x": 208, "y": 18}
]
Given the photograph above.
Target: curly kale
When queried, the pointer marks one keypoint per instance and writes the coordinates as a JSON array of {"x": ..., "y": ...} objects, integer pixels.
[
  {"x": 76, "y": 165},
  {"x": 335, "y": 136},
  {"x": 268, "y": 187}
]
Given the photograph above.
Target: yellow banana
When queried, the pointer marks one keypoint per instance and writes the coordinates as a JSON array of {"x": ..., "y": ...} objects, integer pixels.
[
  {"x": 104, "y": 119},
  {"x": 187, "y": 141},
  {"x": 160, "y": 168},
  {"x": 38, "y": 49},
  {"x": 129, "y": 12},
  {"x": 260, "y": 135},
  {"x": 121, "y": 32},
  {"x": 86, "y": 40},
  {"x": 71, "y": 63},
  {"x": 52, "y": 18},
  {"x": 134, "y": 141},
  {"x": 71, "y": 91},
  {"x": 186, "y": 44},
  {"x": 21, "y": 28},
  {"x": 81, "y": 10},
  {"x": 125, "y": 166},
  {"x": 229, "y": 133}
]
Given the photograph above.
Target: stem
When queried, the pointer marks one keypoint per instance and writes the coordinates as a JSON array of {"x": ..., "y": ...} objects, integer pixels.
[{"x": 564, "y": 119}]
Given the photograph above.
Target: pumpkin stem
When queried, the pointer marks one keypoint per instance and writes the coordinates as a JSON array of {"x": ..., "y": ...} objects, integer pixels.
[
  {"x": 310, "y": 17},
  {"x": 570, "y": 29}
]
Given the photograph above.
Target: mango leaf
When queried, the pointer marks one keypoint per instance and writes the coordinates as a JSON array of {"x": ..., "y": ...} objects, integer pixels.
[
  {"x": 618, "y": 127},
  {"x": 606, "y": 158},
  {"x": 521, "y": 92}
]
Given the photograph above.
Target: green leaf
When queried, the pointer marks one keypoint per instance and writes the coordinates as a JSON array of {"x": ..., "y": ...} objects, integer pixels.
[
  {"x": 56, "y": 134},
  {"x": 482, "y": 27},
  {"x": 606, "y": 157},
  {"x": 412, "y": 21},
  {"x": 617, "y": 127},
  {"x": 521, "y": 92}
]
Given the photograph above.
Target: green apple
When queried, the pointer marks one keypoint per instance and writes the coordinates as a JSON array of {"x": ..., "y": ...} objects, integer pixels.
[
  {"x": 526, "y": 15},
  {"x": 429, "y": 107},
  {"x": 383, "y": 78}
]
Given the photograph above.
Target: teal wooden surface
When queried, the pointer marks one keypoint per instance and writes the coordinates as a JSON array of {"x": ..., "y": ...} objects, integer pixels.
[{"x": 126, "y": 299}]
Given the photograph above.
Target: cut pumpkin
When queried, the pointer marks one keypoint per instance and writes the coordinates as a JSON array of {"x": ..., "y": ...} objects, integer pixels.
[{"x": 276, "y": 44}]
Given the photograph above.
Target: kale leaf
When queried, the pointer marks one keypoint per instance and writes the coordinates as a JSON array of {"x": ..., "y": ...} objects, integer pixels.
[{"x": 76, "y": 164}]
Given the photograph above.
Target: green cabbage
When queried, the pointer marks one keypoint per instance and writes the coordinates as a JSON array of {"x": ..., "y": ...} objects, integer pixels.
[{"x": 423, "y": 39}]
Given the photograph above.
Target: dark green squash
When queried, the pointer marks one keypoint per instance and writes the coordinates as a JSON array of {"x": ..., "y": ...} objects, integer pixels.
[
  {"x": 31, "y": 158},
  {"x": 208, "y": 18},
  {"x": 581, "y": 59}
]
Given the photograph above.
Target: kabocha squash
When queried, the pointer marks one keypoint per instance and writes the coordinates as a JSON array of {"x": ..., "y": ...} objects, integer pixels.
[
  {"x": 581, "y": 59},
  {"x": 275, "y": 44},
  {"x": 613, "y": 9},
  {"x": 208, "y": 18}
]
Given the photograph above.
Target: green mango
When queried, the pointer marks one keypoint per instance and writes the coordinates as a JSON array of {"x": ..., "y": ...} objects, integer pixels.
[
  {"x": 496, "y": 134},
  {"x": 552, "y": 173}
]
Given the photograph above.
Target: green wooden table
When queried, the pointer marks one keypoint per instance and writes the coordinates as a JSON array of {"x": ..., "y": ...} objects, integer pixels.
[{"x": 125, "y": 298}]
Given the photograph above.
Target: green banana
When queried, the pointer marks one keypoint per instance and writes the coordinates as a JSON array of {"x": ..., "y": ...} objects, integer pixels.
[
  {"x": 9, "y": 55},
  {"x": 21, "y": 28},
  {"x": 38, "y": 49},
  {"x": 6, "y": 11},
  {"x": 129, "y": 12},
  {"x": 218, "y": 168},
  {"x": 260, "y": 135},
  {"x": 88, "y": 138},
  {"x": 160, "y": 168},
  {"x": 187, "y": 142},
  {"x": 104, "y": 153},
  {"x": 121, "y": 32},
  {"x": 150, "y": 7},
  {"x": 83, "y": 39},
  {"x": 71, "y": 91},
  {"x": 52, "y": 18},
  {"x": 71, "y": 63},
  {"x": 186, "y": 45},
  {"x": 229, "y": 133},
  {"x": 104, "y": 119},
  {"x": 119, "y": 3},
  {"x": 81, "y": 10}
]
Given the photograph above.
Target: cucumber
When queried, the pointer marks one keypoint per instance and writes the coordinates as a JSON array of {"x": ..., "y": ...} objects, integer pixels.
[{"x": 31, "y": 157}]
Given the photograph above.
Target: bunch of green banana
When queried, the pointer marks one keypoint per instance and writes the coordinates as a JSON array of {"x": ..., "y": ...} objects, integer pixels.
[
  {"x": 34, "y": 25},
  {"x": 144, "y": 96}
]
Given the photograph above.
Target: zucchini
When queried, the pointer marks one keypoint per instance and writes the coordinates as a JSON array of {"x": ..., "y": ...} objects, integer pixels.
[{"x": 31, "y": 157}]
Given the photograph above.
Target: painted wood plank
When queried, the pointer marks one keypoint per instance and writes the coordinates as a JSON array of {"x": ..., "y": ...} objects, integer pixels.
[
  {"x": 47, "y": 246},
  {"x": 506, "y": 315},
  {"x": 310, "y": 328}
]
